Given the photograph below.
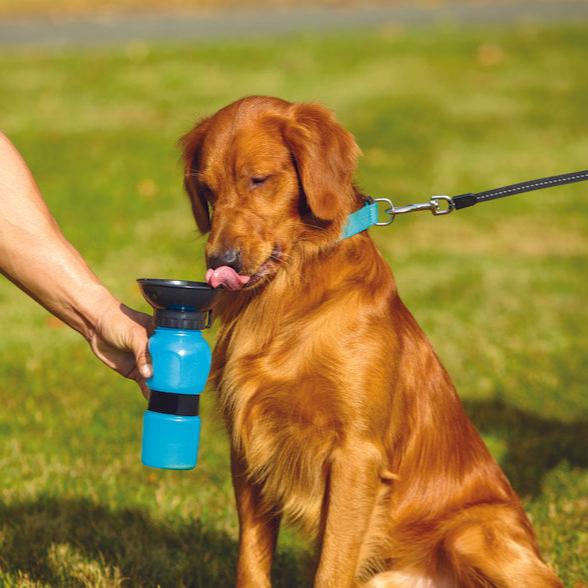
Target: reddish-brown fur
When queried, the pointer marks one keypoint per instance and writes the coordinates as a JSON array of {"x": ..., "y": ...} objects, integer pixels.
[{"x": 342, "y": 419}]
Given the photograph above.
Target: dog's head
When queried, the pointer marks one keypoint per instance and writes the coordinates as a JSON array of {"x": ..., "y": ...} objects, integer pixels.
[{"x": 266, "y": 177}]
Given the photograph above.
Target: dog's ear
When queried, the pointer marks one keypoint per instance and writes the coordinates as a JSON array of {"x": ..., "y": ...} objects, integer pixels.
[
  {"x": 191, "y": 144},
  {"x": 325, "y": 155}
]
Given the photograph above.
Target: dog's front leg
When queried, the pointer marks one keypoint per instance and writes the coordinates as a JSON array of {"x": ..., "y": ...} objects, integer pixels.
[
  {"x": 258, "y": 531},
  {"x": 350, "y": 499}
]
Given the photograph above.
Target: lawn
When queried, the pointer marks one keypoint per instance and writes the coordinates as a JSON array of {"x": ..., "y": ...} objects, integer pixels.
[{"x": 500, "y": 288}]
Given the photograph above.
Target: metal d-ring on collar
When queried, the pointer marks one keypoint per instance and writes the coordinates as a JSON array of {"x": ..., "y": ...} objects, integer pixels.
[{"x": 434, "y": 205}]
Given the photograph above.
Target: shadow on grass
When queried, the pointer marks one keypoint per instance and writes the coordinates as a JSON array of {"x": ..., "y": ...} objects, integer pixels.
[
  {"x": 75, "y": 542},
  {"x": 535, "y": 445}
]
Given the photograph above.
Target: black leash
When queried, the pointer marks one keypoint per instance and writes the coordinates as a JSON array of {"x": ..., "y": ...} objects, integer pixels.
[
  {"x": 440, "y": 205},
  {"x": 465, "y": 200}
]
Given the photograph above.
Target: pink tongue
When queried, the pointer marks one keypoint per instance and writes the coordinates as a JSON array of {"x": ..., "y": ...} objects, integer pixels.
[{"x": 226, "y": 276}]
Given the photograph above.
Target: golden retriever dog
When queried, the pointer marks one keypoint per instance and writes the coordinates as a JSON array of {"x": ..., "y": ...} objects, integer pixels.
[{"x": 342, "y": 420}]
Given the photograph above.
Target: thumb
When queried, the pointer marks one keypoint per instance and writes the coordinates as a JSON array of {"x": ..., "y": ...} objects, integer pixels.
[{"x": 142, "y": 358}]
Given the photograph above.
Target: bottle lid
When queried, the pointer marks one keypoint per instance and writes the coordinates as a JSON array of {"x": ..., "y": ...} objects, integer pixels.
[{"x": 182, "y": 319}]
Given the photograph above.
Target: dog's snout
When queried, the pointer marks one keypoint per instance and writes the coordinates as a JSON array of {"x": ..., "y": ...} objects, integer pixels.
[{"x": 229, "y": 257}]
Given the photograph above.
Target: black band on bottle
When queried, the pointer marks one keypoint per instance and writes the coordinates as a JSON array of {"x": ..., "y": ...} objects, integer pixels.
[{"x": 178, "y": 404}]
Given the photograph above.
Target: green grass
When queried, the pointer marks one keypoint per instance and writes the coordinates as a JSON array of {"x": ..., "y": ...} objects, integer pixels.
[{"x": 500, "y": 288}]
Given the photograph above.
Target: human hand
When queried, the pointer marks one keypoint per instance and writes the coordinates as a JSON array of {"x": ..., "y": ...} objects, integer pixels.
[{"x": 119, "y": 339}]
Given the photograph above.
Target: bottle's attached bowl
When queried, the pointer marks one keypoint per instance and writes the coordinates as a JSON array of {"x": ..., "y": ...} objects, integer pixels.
[{"x": 175, "y": 294}]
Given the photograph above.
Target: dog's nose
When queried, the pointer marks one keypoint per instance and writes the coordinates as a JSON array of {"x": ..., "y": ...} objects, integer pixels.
[{"x": 230, "y": 257}]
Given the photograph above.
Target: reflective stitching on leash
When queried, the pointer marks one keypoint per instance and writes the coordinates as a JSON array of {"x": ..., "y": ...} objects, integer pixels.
[{"x": 532, "y": 186}]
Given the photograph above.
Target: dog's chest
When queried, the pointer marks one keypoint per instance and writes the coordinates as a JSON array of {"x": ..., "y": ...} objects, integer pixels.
[{"x": 280, "y": 406}]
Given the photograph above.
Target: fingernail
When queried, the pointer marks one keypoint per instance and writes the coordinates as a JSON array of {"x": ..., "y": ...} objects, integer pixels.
[{"x": 146, "y": 371}]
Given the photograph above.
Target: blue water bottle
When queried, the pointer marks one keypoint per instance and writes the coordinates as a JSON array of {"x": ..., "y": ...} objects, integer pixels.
[{"x": 181, "y": 362}]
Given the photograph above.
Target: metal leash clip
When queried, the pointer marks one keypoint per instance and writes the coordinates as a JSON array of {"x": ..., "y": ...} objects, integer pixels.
[{"x": 434, "y": 205}]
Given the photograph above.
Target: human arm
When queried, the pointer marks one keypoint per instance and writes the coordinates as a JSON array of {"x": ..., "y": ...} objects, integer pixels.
[{"x": 36, "y": 257}]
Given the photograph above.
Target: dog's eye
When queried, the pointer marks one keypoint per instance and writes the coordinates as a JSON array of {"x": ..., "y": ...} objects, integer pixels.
[{"x": 257, "y": 181}]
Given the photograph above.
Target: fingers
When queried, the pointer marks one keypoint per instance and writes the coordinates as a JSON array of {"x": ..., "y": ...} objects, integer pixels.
[
  {"x": 139, "y": 342},
  {"x": 121, "y": 342},
  {"x": 143, "y": 359},
  {"x": 140, "y": 349},
  {"x": 141, "y": 318},
  {"x": 133, "y": 374},
  {"x": 144, "y": 389}
]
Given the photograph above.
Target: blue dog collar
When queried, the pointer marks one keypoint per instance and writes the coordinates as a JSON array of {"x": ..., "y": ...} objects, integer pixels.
[{"x": 360, "y": 220}]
